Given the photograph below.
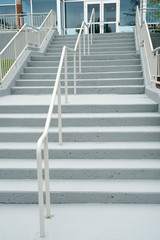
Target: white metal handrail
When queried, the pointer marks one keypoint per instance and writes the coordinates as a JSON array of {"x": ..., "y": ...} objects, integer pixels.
[
  {"x": 152, "y": 55},
  {"x": 13, "y": 22},
  {"x": 27, "y": 36},
  {"x": 44, "y": 137}
]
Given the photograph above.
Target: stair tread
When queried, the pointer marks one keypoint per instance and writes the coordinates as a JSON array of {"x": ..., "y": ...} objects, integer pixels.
[
  {"x": 118, "y": 186},
  {"x": 83, "y": 164},
  {"x": 112, "y": 99},
  {"x": 84, "y": 145},
  {"x": 115, "y": 129},
  {"x": 83, "y": 115}
]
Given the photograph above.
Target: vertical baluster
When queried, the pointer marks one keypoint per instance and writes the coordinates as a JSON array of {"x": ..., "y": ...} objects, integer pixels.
[
  {"x": 59, "y": 113},
  {"x": 66, "y": 77},
  {"x": 88, "y": 42},
  {"x": 80, "y": 54},
  {"x": 74, "y": 60},
  {"x": 84, "y": 48},
  {"x": 47, "y": 187},
  {"x": 40, "y": 193}
]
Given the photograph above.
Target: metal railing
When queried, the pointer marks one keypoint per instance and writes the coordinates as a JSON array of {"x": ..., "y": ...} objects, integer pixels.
[
  {"x": 12, "y": 22},
  {"x": 152, "y": 17},
  {"x": 27, "y": 36},
  {"x": 44, "y": 137},
  {"x": 152, "y": 55}
]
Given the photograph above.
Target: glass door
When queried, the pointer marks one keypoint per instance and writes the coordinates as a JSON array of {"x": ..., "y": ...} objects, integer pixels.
[{"x": 107, "y": 15}]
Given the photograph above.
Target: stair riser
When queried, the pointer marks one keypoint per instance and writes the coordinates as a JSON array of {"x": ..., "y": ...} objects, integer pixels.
[
  {"x": 96, "y": 44},
  {"x": 83, "y": 173},
  {"x": 80, "y": 83},
  {"x": 84, "y": 63},
  {"x": 83, "y": 137},
  {"x": 81, "y": 108},
  {"x": 83, "y": 153},
  {"x": 80, "y": 122},
  {"x": 84, "y": 69},
  {"x": 88, "y": 58},
  {"x": 94, "y": 50},
  {"x": 81, "y": 197},
  {"x": 95, "y": 90},
  {"x": 83, "y": 75}
]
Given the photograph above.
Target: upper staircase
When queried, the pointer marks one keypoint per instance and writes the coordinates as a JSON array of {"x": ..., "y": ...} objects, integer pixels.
[{"x": 111, "y": 130}]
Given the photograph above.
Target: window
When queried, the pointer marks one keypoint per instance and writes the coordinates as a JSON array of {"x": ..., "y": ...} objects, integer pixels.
[
  {"x": 74, "y": 14},
  {"x": 44, "y": 6}
]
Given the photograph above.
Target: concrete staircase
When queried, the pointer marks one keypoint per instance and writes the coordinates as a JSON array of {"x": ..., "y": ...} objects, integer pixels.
[{"x": 111, "y": 130}]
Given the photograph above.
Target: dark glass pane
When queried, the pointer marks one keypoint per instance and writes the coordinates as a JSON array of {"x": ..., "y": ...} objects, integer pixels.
[
  {"x": 128, "y": 12},
  {"x": 108, "y": 28},
  {"x": 97, "y": 11},
  {"x": 7, "y": 9},
  {"x": 74, "y": 14},
  {"x": 44, "y": 6},
  {"x": 110, "y": 12}
]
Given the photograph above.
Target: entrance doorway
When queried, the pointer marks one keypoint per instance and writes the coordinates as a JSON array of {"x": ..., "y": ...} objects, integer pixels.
[{"x": 107, "y": 15}]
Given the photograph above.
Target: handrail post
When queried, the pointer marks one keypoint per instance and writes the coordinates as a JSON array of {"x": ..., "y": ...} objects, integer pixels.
[
  {"x": 80, "y": 54},
  {"x": 84, "y": 48},
  {"x": 26, "y": 33},
  {"x": 0, "y": 67},
  {"x": 91, "y": 32},
  {"x": 59, "y": 113},
  {"x": 40, "y": 193},
  {"x": 88, "y": 42},
  {"x": 94, "y": 22},
  {"x": 39, "y": 41},
  {"x": 74, "y": 60},
  {"x": 47, "y": 188},
  {"x": 66, "y": 77}
]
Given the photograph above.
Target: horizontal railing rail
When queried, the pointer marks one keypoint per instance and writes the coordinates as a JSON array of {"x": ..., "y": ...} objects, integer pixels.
[
  {"x": 27, "y": 36},
  {"x": 43, "y": 140},
  {"x": 145, "y": 40}
]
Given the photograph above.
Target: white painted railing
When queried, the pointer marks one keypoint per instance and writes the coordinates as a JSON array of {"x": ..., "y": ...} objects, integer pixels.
[
  {"x": 145, "y": 39},
  {"x": 13, "y": 22},
  {"x": 27, "y": 36},
  {"x": 43, "y": 140}
]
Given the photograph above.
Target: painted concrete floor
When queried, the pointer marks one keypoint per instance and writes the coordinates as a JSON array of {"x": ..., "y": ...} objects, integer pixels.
[{"x": 82, "y": 222}]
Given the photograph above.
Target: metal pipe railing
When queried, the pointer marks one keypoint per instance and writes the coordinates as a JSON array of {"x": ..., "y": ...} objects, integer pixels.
[
  {"x": 145, "y": 40},
  {"x": 43, "y": 140},
  {"x": 27, "y": 36}
]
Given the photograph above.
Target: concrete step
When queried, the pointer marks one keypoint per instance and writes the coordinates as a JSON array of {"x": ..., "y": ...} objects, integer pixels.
[
  {"x": 111, "y": 103},
  {"x": 96, "y": 44},
  {"x": 81, "y": 120},
  {"x": 118, "y": 89},
  {"x": 83, "y": 82},
  {"x": 92, "y": 54},
  {"x": 83, "y": 191},
  {"x": 83, "y": 134},
  {"x": 93, "y": 49},
  {"x": 111, "y": 56},
  {"x": 83, "y": 169},
  {"x": 87, "y": 75},
  {"x": 46, "y": 63},
  {"x": 85, "y": 69},
  {"x": 84, "y": 150}
]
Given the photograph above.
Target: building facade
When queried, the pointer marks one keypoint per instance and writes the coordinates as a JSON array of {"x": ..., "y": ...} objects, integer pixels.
[{"x": 111, "y": 15}]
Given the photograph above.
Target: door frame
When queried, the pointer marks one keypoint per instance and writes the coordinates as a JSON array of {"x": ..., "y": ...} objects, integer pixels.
[{"x": 101, "y": 3}]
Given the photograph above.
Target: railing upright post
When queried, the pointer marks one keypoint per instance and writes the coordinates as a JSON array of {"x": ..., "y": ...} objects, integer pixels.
[
  {"x": 15, "y": 49},
  {"x": 88, "y": 42},
  {"x": 66, "y": 77},
  {"x": 26, "y": 33},
  {"x": 40, "y": 193},
  {"x": 80, "y": 54},
  {"x": 94, "y": 22},
  {"x": 84, "y": 48},
  {"x": 74, "y": 60},
  {"x": 59, "y": 113},
  {"x": 39, "y": 41},
  {"x": 0, "y": 67},
  {"x": 47, "y": 188},
  {"x": 91, "y": 32}
]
